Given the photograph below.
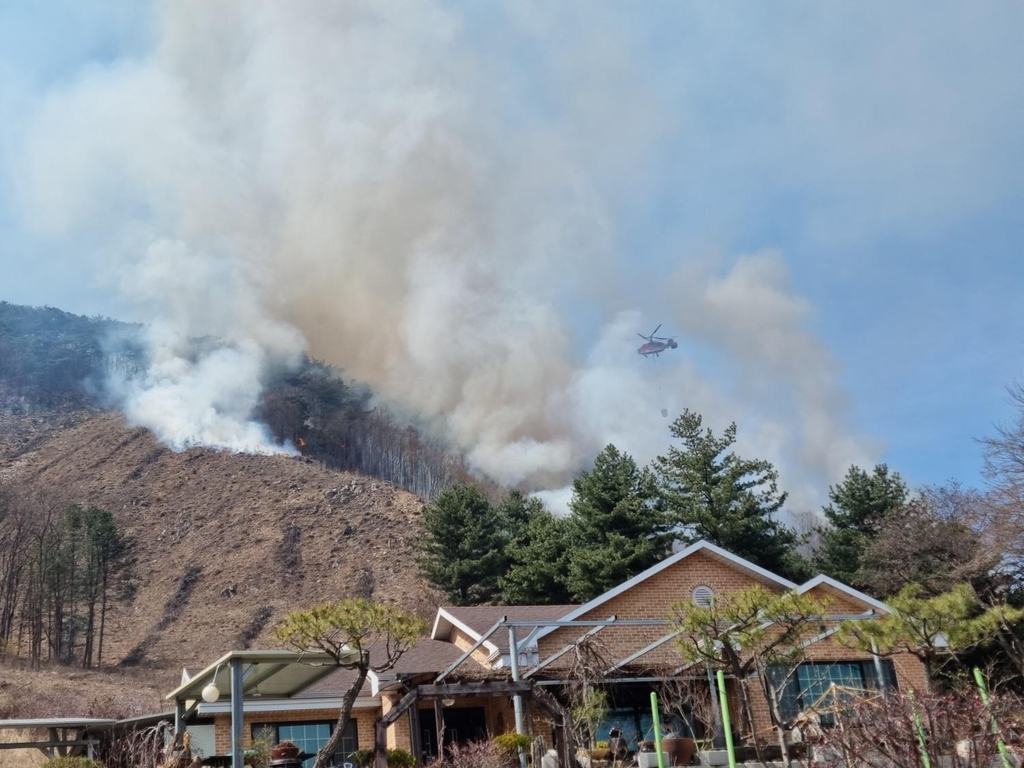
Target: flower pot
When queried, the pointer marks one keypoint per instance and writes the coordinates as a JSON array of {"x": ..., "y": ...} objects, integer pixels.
[
  {"x": 680, "y": 749},
  {"x": 650, "y": 759},
  {"x": 286, "y": 750}
]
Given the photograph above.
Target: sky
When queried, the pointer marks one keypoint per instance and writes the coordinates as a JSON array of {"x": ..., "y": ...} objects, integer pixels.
[{"x": 823, "y": 202}]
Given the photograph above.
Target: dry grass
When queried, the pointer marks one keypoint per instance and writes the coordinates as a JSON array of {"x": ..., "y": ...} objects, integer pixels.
[{"x": 59, "y": 691}]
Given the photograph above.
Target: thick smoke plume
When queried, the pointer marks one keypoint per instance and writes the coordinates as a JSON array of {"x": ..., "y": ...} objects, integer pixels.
[{"x": 352, "y": 179}]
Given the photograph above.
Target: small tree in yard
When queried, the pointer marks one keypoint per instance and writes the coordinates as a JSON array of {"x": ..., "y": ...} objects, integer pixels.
[
  {"x": 933, "y": 628},
  {"x": 747, "y": 633},
  {"x": 349, "y": 630}
]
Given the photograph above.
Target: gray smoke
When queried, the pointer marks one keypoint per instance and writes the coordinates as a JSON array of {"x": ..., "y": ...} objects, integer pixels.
[{"x": 352, "y": 180}]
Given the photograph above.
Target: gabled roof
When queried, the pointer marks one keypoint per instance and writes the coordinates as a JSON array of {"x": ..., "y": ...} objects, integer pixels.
[
  {"x": 427, "y": 656},
  {"x": 705, "y": 547},
  {"x": 475, "y": 620},
  {"x": 829, "y": 583}
]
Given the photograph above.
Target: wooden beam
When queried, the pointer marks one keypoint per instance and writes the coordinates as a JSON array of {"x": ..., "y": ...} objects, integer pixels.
[
  {"x": 380, "y": 746},
  {"x": 439, "y": 728},
  {"x": 559, "y": 654},
  {"x": 469, "y": 652},
  {"x": 495, "y": 688},
  {"x": 398, "y": 710},
  {"x": 415, "y": 740},
  {"x": 44, "y": 745}
]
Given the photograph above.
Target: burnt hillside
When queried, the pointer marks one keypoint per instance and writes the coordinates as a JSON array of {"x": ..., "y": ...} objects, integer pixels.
[
  {"x": 226, "y": 543},
  {"x": 52, "y": 360}
]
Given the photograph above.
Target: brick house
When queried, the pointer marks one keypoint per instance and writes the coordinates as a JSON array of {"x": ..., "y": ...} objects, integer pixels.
[{"x": 462, "y": 667}]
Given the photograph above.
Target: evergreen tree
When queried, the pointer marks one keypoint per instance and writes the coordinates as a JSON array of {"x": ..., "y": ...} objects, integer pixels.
[
  {"x": 463, "y": 553},
  {"x": 713, "y": 494},
  {"x": 538, "y": 569},
  {"x": 860, "y": 506},
  {"x": 616, "y": 529}
]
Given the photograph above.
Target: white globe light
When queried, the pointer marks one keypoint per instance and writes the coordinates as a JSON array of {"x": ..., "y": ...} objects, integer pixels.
[{"x": 211, "y": 693}]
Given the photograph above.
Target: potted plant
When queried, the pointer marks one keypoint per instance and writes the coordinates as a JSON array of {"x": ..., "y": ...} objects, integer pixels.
[
  {"x": 284, "y": 750},
  {"x": 600, "y": 751}
]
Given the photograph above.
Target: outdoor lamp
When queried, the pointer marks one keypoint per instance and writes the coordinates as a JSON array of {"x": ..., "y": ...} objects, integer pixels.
[{"x": 211, "y": 693}]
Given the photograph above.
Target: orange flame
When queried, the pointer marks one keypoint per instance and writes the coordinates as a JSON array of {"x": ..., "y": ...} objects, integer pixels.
[{"x": 302, "y": 443}]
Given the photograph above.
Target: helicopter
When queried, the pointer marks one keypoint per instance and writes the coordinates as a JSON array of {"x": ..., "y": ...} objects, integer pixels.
[{"x": 655, "y": 345}]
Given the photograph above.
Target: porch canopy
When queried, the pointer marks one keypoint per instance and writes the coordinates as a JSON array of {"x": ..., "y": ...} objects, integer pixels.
[{"x": 246, "y": 674}]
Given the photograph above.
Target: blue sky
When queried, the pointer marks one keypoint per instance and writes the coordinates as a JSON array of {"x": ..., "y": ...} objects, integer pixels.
[{"x": 875, "y": 149}]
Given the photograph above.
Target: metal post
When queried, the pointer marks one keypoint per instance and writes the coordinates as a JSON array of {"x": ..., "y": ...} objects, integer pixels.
[
  {"x": 517, "y": 699},
  {"x": 726, "y": 725},
  {"x": 716, "y": 709},
  {"x": 983, "y": 690},
  {"x": 656, "y": 716},
  {"x": 237, "y": 715},
  {"x": 922, "y": 742},
  {"x": 179, "y": 718}
]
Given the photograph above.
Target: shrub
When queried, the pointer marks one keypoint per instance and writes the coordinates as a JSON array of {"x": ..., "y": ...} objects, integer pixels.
[
  {"x": 957, "y": 727},
  {"x": 401, "y": 758},
  {"x": 476, "y": 754},
  {"x": 362, "y": 758},
  {"x": 72, "y": 762},
  {"x": 513, "y": 742}
]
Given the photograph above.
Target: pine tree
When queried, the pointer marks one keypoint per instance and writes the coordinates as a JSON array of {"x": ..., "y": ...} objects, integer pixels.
[
  {"x": 616, "y": 529},
  {"x": 713, "y": 494},
  {"x": 463, "y": 553},
  {"x": 860, "y": 506},
  {"x": 538, "y": 569}
]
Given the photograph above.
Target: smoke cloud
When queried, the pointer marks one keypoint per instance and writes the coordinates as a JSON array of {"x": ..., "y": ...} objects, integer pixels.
[{"x": 351, "y": 179}]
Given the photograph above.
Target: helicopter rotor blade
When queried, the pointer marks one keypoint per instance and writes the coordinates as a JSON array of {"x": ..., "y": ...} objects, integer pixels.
[{"x": 656, "y": 329}]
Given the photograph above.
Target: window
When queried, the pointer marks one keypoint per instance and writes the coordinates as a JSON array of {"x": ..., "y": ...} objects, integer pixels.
[
  {"x": 703, "y": 597},
  {"x": 309, "y": 737},
  {"x": 810, "y": 685}
]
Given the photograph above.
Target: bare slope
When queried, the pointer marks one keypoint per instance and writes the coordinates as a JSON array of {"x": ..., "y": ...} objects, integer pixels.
[{"x": 226, "y": 543}]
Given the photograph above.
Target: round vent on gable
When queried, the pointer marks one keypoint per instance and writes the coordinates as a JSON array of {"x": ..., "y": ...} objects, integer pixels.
[{"x": 703, "y": 596}]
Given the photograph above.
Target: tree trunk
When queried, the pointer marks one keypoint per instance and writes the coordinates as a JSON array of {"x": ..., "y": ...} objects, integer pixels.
[
  {"x": 103, "y": 621},
  {"x": 748, "y": 714},
  {"x": 326, "y": 752},
  {"x": 773, "y": 701}
]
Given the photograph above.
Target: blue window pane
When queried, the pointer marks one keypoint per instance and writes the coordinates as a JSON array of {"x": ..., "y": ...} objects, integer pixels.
[{"x": 309, "y": 737}]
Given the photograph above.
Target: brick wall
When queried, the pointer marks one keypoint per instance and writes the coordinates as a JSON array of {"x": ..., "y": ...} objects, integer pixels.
[
  {"x": 653, "y": 599},
  {"x": 365, "y": 719},
  {"x": 464, "y": 642}
]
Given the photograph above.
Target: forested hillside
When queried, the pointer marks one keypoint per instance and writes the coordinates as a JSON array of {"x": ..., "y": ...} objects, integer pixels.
[{"x": 50, "y": 359}]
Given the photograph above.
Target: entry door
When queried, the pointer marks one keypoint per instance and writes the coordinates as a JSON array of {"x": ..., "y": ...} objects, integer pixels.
[{"x": 461, "y": 725}]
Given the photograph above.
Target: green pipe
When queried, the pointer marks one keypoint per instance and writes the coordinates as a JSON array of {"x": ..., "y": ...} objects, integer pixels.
[
  {"x": 919, "y": 730},
  {"x": 657, "y": 729},
  {"x": 726, "y": 724},
  {"x": 983, "y": 689}
]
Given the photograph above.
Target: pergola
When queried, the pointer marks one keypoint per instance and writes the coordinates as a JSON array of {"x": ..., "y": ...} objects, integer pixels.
[
  {"x": 65, "y": 735},
  {"x": 523, "y": 688},
  {"x": 241, "y": 674}
]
